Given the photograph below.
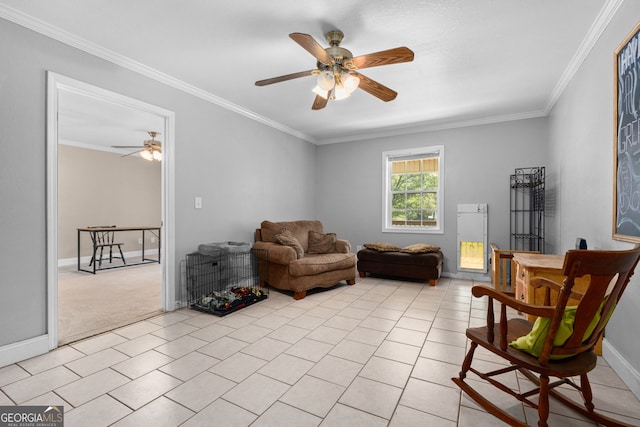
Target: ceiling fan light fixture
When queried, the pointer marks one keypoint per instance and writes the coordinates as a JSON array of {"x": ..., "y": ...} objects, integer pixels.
[
  {"x": 350, "y": 82},
  {"x": 320, "y": 92},
  {"x": 147, "y": 155},
  {"x": 157, "y": 155},
  {"x": 326, "y": 80},
  {"x": 340, "y": 92}
]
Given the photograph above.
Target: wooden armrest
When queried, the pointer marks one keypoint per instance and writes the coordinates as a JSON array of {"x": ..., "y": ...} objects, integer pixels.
[
  {"x": 506, "y": 300},
  {"x": 538, "y": 282},
  {"x": 509, "y": 300}
]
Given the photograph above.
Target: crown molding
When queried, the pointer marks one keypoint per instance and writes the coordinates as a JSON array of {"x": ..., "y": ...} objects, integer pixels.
[
  {"x": 595, "y": 31},
  {"x": 70, "y": 39},
  {"x": 426, "y": 127}
]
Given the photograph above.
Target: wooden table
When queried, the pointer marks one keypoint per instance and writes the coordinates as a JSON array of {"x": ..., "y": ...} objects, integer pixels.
[
  {"x": 530, "y": 265},
  {"x": 93, "y": 230}
]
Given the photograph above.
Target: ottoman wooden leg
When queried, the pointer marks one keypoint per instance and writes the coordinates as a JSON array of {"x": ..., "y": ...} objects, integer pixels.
[
  {"x": 432, "y": 282},
  {"x": 362, "y": 274},
  {"x": 299, "y": 295},
  {"x": 351, "y": 281}
]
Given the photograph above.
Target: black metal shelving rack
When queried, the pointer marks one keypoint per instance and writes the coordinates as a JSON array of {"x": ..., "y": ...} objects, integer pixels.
[{"x": 527, "y": 209}]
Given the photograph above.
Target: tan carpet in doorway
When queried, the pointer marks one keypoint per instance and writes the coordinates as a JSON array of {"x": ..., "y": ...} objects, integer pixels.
[{"x": 91, "y": 304}]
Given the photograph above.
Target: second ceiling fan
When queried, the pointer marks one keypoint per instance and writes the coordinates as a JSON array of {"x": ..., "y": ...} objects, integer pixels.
[
  {"x": 151, "y": 149},
  {"x": 336, "y": 71}
]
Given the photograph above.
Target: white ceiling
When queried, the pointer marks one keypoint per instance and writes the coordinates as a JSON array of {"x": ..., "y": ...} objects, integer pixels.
[
  {"x": 476, "y": 61},
  {"x": 89, "y": 122}
]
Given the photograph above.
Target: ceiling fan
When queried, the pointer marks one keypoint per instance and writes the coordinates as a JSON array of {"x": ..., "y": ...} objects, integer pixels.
[
  {"x": 337, "y": 75},
  {"x": 151, "y": 150}
]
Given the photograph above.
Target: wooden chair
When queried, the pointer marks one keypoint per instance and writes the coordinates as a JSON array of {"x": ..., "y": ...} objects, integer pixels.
[
  {"x": 609, "y": 272},
  {"x": 104, "y": 238},
  {"x": 503, "y": 275}
]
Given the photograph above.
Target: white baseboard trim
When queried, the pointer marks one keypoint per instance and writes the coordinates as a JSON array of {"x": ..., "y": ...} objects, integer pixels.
[
  {"x": 478, "y": 277},
  {"x": 181, "y": 304},
  {"x": 65, "y": 262},
  {"x": 629, "y": 375},
  {"x": 22, "y": 350}
]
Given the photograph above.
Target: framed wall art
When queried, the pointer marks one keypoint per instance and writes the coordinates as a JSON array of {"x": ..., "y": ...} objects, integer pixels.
[{"x": 626, "y": 136}]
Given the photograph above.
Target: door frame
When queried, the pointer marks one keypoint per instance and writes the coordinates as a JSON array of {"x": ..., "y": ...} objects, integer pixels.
[{"x": 56, "y": 83}]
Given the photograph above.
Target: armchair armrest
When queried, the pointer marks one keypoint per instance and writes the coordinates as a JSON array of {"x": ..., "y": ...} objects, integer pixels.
[
  {"x": 276, "y": 252},
  {"x": 343, "y": 246}
]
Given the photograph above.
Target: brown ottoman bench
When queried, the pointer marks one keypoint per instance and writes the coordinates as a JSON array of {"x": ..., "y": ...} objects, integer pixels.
[{"x": 421, "y": 266}]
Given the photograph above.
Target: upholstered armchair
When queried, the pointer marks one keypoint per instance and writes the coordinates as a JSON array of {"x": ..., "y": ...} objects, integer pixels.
[{"x": 297, "y": 256}]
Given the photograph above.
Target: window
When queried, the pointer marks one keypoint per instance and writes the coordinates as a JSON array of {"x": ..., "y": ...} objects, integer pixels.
[{"x": 413, "y": 190}]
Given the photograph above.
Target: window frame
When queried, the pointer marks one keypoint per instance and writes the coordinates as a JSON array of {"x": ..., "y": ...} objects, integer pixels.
[{"x": 413, "y": 153}]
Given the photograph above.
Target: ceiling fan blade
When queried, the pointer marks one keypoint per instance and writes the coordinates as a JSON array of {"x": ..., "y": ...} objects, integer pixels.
[
  {"x": 284, "y": 78},
  {"x": 313, "y": 47},
  {"x": 126, "y": 146},
  {"x": 385, "y": 57},
  {"x": 131, "y": 154},
  {"x": 319, "y": 103},
  {"x": 376, "y": 89}
]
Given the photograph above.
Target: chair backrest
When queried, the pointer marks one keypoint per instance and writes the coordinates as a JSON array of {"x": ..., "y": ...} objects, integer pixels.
[
  {"x": 609, "y": 273},
  {"x": 103, "y": 237}
]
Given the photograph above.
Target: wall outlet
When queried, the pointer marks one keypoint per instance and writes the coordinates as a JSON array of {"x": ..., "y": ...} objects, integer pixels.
[
  {"x": 139, "y": 240},
  {"x": 198, "y": 202}
]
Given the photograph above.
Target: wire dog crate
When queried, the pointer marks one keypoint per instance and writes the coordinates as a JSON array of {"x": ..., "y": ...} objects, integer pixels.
[{"x": 223, "y": 278}]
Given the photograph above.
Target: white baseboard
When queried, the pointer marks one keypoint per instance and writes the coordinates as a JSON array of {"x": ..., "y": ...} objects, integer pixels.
[
  {"x": 478, "y": 277},
  {"x": 629, "y": 375},
  {"x": 65, "y": 262},
  {"x": 22, "y": 350}
]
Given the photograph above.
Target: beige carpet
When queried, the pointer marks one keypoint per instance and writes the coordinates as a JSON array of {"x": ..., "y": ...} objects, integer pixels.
[{"x": 91, "y": 304}]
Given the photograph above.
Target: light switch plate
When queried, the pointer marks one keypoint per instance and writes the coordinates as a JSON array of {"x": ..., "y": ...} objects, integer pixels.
[{"x": 198, "y": 203}]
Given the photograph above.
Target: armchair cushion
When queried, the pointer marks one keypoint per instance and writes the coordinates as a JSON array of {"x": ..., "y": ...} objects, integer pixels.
[
  {"x": 286, "y": 238},
  {"x": 321, "y": 263},
  {"x": 321, "y": 243},
  {"x": 299, "y": 229},
  {"x": 533, "y": 342}
]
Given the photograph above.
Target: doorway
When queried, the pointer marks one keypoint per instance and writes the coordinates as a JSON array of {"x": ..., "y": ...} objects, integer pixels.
[{"x": 59, "y": 90}]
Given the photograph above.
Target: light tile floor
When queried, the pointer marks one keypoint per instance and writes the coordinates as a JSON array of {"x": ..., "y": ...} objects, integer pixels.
[{"x": 379, "y": 353}]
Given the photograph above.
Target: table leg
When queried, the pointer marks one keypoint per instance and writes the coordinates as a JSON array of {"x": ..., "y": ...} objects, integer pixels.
[
  {"x": 78, "y": 250},
  {"x": 95, "y": 249}
]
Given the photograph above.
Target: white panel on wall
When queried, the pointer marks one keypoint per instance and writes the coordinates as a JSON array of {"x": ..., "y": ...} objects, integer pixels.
[{"x": 472, "y": 237}]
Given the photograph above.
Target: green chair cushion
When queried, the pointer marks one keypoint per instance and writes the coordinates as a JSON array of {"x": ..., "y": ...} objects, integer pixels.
[{"x": 533, "y": 342}]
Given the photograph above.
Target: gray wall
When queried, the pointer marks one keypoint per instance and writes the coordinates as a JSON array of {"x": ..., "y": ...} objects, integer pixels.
[
  {"x": 101, "y": 188},
  {"x": 478, "y": 162},
  {"x": 581, "y": 150},
  {"x": 244, "y": 171}
]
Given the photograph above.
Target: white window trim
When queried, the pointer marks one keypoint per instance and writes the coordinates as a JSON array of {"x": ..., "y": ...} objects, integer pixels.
[{"x": 387, "y": 227}]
